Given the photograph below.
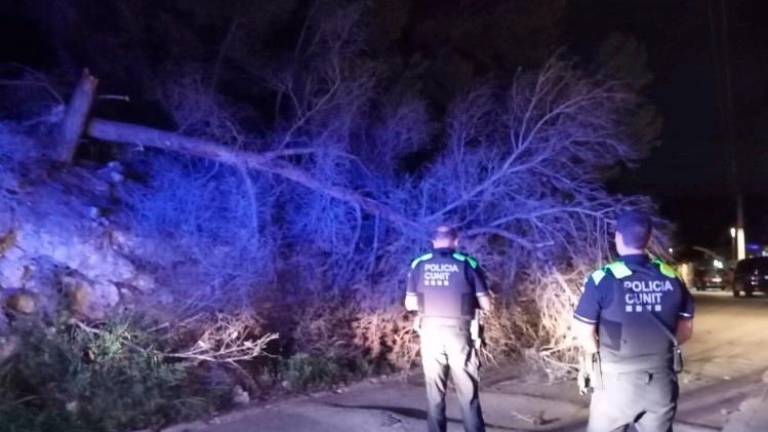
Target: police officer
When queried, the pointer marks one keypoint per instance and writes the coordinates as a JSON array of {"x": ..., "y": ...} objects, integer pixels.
[
  {"x": 633, "y": 315},
  {"x": 446, "y": 287}
]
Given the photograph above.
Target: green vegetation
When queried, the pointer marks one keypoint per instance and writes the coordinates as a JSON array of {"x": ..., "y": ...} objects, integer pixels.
[
  {"x": 70, "y": 379},
  {"x": 131, "y": 373},
  {"x": 304, "y": 371}
]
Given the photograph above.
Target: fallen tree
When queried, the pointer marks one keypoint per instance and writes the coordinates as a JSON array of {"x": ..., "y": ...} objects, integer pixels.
[
  {"x": 335, "y": 197},
  {"x": 268, "y": 162}
]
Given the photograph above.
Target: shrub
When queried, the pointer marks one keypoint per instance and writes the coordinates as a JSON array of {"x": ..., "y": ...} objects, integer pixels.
[
  {"x": 303, "y": 371},
  {"x": 69, "y": 379}
]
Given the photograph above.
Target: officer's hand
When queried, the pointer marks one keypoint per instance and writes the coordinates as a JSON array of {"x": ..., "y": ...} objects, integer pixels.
[{"x": 417, "y": 325}]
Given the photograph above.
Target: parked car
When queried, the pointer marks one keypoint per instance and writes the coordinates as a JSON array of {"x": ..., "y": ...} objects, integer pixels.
[
  {"x": 750, "y": 276},
  {"x": 705, "y": 278}
]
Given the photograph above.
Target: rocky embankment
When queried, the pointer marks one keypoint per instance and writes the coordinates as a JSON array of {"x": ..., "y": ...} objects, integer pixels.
[{"x": 62, "y": 245}]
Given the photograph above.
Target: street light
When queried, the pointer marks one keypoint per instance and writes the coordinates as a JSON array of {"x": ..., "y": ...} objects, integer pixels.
[
  {"x": 741, "y": 244},
  {"x": 738, "y": 243}
]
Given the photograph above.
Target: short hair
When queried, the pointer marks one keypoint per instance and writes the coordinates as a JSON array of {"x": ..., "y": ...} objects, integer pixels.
[
  {"x": 445, "y": 233},
  {"x": 635, "y": 227}
]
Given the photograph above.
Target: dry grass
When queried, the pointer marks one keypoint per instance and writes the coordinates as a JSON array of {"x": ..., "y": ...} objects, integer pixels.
[
  {"x": 535, "y": 325},
  {"x": 388, "y": 337}
]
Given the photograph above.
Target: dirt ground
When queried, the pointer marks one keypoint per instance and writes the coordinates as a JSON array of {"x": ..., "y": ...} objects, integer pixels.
[{"x": 724, "y": 365}]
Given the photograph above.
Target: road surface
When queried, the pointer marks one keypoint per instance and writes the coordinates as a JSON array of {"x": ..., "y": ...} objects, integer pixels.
[
  {"x": 724, "y": 365},
  {"x": 727, "y": 357}
]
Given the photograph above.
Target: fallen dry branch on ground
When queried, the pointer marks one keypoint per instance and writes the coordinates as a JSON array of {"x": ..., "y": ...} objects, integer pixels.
[
  {"x": 219, "y": 339},
  {"x": 227, "y": 338}
]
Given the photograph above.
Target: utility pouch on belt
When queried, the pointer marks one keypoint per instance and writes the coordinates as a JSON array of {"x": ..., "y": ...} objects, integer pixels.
[
  {"x": 677, "y": 353},
  {"x": 677, "y": 359}
]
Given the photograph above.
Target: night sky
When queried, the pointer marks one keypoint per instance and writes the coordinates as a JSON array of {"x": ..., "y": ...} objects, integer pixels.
[{"x": 688, "y": 173}]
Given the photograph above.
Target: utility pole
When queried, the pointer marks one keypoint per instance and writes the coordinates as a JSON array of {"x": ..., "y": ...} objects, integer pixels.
[{"x": 721, "y": 54}]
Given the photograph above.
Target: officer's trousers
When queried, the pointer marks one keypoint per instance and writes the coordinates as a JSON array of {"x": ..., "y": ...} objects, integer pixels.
[
  {"x": 647, "y": 399},
  {"x": 447, "y": 350}
]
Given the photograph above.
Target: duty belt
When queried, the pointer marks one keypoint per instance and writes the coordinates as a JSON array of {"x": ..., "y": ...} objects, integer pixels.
[
  {"x": 636, "y": 364},
  {"x": 441, "y": 322}
]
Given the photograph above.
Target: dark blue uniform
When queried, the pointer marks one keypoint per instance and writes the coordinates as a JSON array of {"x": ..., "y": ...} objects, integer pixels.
[
  {"x": 447, "y": 284},
  {"x": 632, "y": 302}
]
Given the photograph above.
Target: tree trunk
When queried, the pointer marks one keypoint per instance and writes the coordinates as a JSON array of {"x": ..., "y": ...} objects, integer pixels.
[
  {"x": 76, "y": 117},
  {"x": 271, "y": 163}
]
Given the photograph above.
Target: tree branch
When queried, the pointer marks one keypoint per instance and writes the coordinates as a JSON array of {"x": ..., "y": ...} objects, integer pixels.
[{"x": 144, "y": 136}]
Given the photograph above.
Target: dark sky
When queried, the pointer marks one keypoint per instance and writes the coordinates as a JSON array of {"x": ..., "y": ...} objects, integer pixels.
[{"x": 688, "y": 174}]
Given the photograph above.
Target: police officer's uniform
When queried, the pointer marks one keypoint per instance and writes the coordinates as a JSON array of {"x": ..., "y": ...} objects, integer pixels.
[
  {"x": 447, "y": 284},
  {"x": 629, "y": 301}
]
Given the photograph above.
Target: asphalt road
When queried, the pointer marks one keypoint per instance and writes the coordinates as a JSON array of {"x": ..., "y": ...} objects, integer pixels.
[
  {"x": 726, "y": 358},
  {"x": 730, "y": 336},
  {"x": 725, "y": 362}
]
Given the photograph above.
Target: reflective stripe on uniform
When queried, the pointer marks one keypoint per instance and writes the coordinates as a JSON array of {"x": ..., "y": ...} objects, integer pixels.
[
  {"x": 665, "y": 269},
  {"x": 461, "y": 257},
  {"x": 597, "y": 276},
  {"x": 619, "y": 269},
  {"x": 424, "y": 257}
]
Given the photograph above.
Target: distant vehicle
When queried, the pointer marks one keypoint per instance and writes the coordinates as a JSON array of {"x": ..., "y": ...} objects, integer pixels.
[
  {"x": 705, "y": 278},
  {"x": 750, "y": 276}
]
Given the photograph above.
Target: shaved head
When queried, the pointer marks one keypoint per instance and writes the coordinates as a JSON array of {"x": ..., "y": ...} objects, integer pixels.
[
  {"x": 445, "y": 233},
  {"x": 445, "y": 236},
  {"x": 635, "y": 228}
]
